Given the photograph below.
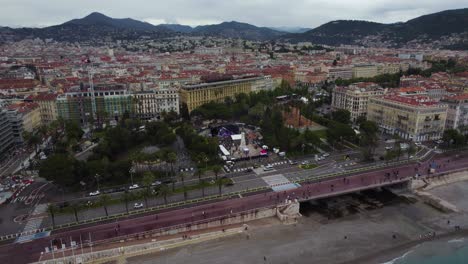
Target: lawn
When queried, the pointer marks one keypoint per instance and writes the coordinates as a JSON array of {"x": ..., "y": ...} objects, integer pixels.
[{"x": 308, "y": 166}]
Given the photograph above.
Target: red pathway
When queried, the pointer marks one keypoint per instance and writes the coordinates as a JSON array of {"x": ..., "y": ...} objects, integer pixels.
[{"x": 30, "y": 251}]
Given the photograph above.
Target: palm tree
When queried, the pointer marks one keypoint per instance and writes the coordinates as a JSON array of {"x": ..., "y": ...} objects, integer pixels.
[
  {"x": 203, "y": 158},
  {"x": 104, "y": 200},
  {"x": 200, "y": 172},
  {"x": 171, "y": 158},
  {"x": 52, "y": 209},
  {"x": 202, "y": 184},
  {"x": 182, "y": 178},
  {"x": 185, "y": 192},
  {"x": 148, "y": 179},
  {"x": 220, "y": 183},
  {"x": 216, "y": 170},
  {"x": 127, "y": 196},
  {"x": 146, "y": 193},
  {"x": 75, "y": 208},
  {"x": 164, "y": 191}
]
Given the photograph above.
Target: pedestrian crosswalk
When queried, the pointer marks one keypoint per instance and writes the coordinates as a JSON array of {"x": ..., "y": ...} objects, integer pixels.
[
  {"x": 33, "y": 224},
  {"x": 279, "y": 183}
]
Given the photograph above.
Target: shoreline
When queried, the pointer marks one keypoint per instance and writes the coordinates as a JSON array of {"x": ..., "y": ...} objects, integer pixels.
[
  {"x": 368, "y": 234},
  {"x": 391, "y": 253}
]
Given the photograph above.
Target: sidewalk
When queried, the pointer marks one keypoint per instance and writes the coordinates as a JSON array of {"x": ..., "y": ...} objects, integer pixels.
[{"x": 140, "y": 246}]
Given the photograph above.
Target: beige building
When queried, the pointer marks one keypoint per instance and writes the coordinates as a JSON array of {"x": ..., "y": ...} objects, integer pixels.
[
  {"x": 417, "y": 118},
  {"x": 388, "y": 68},
  {"x": 365, "y": 71},
  {"x": 199, "y": 94},
  {"x": 149, "y": 105},
  {"x": 47, "y": 106},
  {"x": 355, "y": 97}
]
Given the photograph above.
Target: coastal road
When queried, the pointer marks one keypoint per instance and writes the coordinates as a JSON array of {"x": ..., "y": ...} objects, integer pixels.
[{"x": 30, "y": 251}]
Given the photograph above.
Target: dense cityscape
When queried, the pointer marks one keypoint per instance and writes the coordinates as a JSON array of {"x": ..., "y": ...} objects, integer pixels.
[{"x": 121, "y": 141}]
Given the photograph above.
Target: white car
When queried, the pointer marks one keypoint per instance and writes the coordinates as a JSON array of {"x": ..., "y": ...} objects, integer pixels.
[
  {"x": 268, "y": 168},
  {"x": 389, "y": 148},
  {"x": 138, "y": 206},
  {"x": 325, "y": 155},
  {"x": 418, "y": 144},
  {"x": 156, "y": 183},
  {"x": 96, "y": 193},
  {"x": 134, "y": 186},
  {"x": 305, "y": 162}
]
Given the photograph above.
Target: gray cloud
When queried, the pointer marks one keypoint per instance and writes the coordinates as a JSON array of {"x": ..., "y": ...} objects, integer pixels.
[{"x": 306, "y": 13}]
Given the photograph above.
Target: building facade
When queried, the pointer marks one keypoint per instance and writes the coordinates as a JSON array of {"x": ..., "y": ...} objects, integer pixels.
[
  {"x": 23, "y": 117},
  {"x": 343, "y": 73},
  {"x": 196, "y": 95},
  {"x": 6, "y": 134},
  {"x": 417, "y": 118},
  {"x": 110, "y": 103},
  {"x": 47, "y": 106},
  {"x": 457, "y": 113},
  {"x": 149, "y": 105},
  {"x": 355, "y": 98},
  {"x": 365, "y": 71}
]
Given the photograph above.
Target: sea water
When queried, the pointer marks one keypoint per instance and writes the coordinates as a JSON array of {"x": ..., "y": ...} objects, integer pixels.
[{"x": 453, "y": 251}]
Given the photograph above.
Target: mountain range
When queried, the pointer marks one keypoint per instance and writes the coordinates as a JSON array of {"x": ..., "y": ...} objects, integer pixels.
[
  {"x": 437, "y": 27},
  {"x": 446, "y": 29}
]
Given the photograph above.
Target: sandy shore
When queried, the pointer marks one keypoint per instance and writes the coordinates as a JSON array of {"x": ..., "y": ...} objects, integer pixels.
[
  {"x": 368, "y": 236},
  {"x": 397, "y": 251}
]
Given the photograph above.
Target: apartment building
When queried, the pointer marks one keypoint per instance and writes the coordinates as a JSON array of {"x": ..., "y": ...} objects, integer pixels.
[
  {"x": 457, "y": 113},
  {"x": 108, "y": 103},
  {"x": 47, "y": 106},
  {"x": 149, "y": 105},
  {"x": 196, "y": 95},
  {"x": 365, "y": 71},
  {"x": 343, "y": 73},
  {"x": 355, "y": 98},
  {"x": 6, "y": 133},
  {"x": 416, "y": 117}
]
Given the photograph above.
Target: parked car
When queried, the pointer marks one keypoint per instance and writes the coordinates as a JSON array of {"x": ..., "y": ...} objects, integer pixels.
[
  {"x": 292, "y": 162},
  {"x": 388, "y": 147},
  {"x": 138, "y": 206},
  {"x": 134, "y": 186},
  {"x": 418, "y": 144},
  {"x": 268, "y": 168},
  {"x": 156, "y": 183},
  {"x": 305, "y": 162},
  {"x": 325, "y": 154},
  {"x": 95, "y": 193}
]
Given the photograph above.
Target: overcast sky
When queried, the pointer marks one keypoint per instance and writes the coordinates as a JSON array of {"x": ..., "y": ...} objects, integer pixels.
[{"x": 304, "y": 13}]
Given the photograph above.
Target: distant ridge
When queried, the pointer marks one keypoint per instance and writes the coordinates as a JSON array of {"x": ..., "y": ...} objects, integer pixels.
[
  {"x": 446, "y": 29},
  {"x": 418, "y": 31},
  {"x": 235, "y": 29}
]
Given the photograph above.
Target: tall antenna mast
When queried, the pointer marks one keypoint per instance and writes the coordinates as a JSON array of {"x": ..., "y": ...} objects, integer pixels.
[{"x": 91, "y": 87}]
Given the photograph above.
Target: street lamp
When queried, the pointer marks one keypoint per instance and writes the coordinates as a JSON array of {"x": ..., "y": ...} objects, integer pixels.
[
  {"x": 97, "y": 180},
  {"x": 132, "y": 170}
]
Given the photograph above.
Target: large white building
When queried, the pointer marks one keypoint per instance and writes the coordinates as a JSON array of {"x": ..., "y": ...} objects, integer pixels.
[
  {"x": 355, "y": 97},
  {"x": 416, "y": 117},
  {"x": 149, "y": 105},
  {"x": 457, "y": 113}
]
